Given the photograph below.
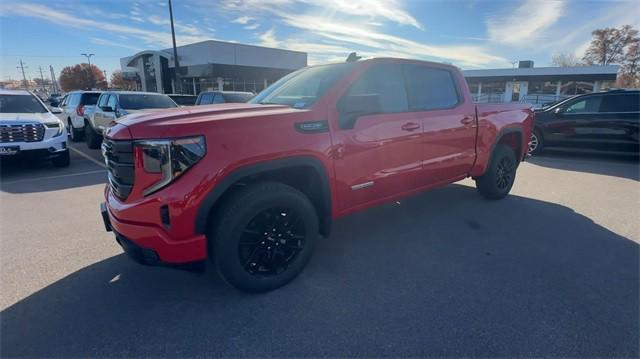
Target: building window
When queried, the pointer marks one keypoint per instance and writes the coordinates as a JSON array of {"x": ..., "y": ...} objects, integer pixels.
[
  {"x": 492, "y": 91},
  {"x": 474, "y": 85},
  {"x": 572, "y": 88}
]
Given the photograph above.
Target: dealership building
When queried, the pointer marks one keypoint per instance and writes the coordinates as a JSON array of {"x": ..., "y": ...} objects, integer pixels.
[
  {"x": 210, "y": 65},
  {"x": 538, "y": 85}
]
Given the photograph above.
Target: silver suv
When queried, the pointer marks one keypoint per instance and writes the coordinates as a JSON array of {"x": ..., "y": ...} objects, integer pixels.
[
  {"x": 114, "y": 104},
  {"x": 76, "y": 110}
]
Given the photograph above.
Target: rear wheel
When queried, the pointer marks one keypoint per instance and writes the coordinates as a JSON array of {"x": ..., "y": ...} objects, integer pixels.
[
  {"x": 92, "y": 138},
  {"x": 264, "y": 236},
  {"x": 74, "y": 133},
  {"x": 62, "y": 160},
  {"x": 500, "y": 175}
]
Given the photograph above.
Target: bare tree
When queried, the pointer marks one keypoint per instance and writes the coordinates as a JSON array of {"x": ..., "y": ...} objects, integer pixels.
[
  {"x": 565, "y": 60},
  {"x": 609, "y": 45}
]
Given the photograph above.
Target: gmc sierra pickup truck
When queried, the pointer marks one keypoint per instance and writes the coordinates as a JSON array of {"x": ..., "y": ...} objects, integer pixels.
[{"x": 252, "y": 186}]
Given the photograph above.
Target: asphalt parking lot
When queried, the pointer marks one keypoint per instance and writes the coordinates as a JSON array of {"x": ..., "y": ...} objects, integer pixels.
[{"x": 553, "y": 270}]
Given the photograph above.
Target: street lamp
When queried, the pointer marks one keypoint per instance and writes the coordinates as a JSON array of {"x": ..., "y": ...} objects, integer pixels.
[{"x": 88, "y": 56}]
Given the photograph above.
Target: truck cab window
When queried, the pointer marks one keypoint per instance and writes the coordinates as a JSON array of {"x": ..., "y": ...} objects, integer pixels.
[{"x": 388, "y": 83}]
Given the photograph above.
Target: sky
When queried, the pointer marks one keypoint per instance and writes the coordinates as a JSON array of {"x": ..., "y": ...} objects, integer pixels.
[{"x": 471, "y": 34}]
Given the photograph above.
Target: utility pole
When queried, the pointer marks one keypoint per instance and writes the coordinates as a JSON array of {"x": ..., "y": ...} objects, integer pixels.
[
  {"x": 105, "y": 77},
  {"x": 24, "y": 77},
  {"x": 178, "y": 85},
  {"x": 41, "y": 77},
  {"x": 53, "y": 80},
  {"x": 88, "y": 56}
]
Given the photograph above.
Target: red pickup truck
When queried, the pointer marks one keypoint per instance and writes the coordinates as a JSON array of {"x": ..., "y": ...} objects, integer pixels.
[{"x": 251, "y": 186}]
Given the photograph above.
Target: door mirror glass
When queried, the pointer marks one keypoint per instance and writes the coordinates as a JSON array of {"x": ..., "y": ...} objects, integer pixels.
[
  {"x": 558, "y": 110},
  {"x": 351, "y": 107}
]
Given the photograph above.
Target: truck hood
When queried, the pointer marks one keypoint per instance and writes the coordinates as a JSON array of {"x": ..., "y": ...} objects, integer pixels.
[
  {"x": 28, "y": 117},
  {"x": 148, "y": 124}
]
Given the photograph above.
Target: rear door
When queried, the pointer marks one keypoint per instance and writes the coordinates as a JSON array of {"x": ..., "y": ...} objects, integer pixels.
[
  {"x": 448, "y": 122},
  {"x": 618, "y": 122}
]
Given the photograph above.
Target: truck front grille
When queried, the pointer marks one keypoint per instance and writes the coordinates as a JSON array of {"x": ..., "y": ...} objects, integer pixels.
[
  {"x": 119, "y": 160},
  {"x": 25, "y": 132}
]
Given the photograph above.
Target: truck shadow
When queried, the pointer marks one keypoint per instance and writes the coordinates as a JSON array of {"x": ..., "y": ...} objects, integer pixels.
[
  {"x": 618, "y": 166},
  {"x": 442, "y": 274}
]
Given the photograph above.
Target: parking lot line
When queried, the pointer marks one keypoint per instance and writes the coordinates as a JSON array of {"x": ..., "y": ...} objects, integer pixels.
[
  {"x": 101, "y": 164},
  {"x": 52, "y": 177}
]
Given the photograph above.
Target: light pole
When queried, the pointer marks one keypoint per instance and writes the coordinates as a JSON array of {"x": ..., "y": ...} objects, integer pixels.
[
  {"x": 178, "y": 85},
  {"x": 88, "y": 56}
]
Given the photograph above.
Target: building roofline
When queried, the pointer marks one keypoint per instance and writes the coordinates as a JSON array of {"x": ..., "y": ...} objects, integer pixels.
[{"x": 544, "y": 71}]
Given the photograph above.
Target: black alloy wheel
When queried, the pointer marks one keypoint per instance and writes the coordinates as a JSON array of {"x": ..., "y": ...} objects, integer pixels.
[{"x": 272, "y": 240}]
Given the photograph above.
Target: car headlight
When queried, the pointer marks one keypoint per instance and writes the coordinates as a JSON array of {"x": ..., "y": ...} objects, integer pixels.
[
  {"x": 169, "y": 159},
  {"x": 57, "y": 125}
]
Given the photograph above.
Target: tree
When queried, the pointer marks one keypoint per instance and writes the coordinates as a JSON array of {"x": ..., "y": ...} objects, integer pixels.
[
  {"x": 609, "y": 45},
  {"x": 118, "y": 81},
  {"x": 79, "y": 77},
  {"x": 565, "y": 60}
]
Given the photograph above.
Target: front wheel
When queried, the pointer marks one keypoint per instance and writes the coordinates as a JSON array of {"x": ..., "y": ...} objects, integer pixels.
[
  {"x": 535, "y": 143},
  {"x": 92, "y": 138},
  {"x": 264, "y": 236},
  {"x": 500, "y": 174}
]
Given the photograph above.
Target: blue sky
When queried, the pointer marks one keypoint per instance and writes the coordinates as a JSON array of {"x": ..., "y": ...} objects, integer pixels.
[{"x": 467, "y": 33}]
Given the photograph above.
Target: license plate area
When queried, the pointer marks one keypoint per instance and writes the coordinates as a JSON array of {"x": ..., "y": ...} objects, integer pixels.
[{"x": 9, "y": 150}]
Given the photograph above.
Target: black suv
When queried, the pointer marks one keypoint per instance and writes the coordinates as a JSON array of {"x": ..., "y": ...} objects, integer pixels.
[
  {"x": 212, "y": 97},
  {"x": 601, "y": 121}
]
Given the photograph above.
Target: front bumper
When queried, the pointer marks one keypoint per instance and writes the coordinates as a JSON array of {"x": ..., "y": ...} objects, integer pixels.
[
  {"x": 149, "y": 244},
  {"x": 51, "y": 146}
]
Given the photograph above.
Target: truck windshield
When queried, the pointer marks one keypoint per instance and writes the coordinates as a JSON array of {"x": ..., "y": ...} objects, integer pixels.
[
  {"x": 141, "y": 102},
  {"x": 300, "y": 89},
  {"x": 20, "y": 104}
]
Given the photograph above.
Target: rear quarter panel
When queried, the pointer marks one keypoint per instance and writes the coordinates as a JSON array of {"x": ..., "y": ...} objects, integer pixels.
[{"x": 496, "y": 121}]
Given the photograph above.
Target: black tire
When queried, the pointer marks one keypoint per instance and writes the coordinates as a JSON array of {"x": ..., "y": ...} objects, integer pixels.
[
  {"x": 500, "y": 175},
  {"x": 92, "y": 138},
  {"x": 62, "y": 160},
  {"x": 246, "y": 254},
  {"x": 75, "y": 134},
  {"x": 536, "y": 143}
]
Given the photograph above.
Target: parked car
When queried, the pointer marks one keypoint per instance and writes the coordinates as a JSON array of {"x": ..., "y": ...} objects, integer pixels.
[
  {"x": 54, "y": 99},
  {"x": 57, "y": 101},
  {"x": 115, "y": 104},
  {"x": 76, "y": 111},
  {"x": 211, "y": 97},
  {"x": 602, "y": 121},
  {"x": 28, "y": 127},
  {"x": 251, "y": 186},
  {"x": 184, "y": 100}
]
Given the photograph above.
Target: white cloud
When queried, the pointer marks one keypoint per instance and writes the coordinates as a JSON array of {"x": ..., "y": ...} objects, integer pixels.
[
  {"x": 526, "y": 24},
  {"x": 105, "y": 42},
  {"x": 268, "y": 38},
  {"x": 45, "y": 13},
  {"x": 253, "y": 26},
  {"x": 243, "y": 20}
]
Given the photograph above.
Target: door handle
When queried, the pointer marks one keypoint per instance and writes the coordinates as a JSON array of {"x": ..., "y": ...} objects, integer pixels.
[
  {"x": 410, "y": 126},
  {"x": 467, "y": 120}
]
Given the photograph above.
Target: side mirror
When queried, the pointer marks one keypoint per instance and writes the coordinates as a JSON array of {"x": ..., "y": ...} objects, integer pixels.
[
  {"x": 56, "y": 110},
  {"x": 106, "y": 108},
  {"x": 353, "y": 106},
  {"x": 558, "y": 110}
]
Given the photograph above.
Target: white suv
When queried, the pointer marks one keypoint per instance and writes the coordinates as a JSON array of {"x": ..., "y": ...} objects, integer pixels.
[
  {"x": 76, "y": 111},
  {"x": 28, "y": 127}
]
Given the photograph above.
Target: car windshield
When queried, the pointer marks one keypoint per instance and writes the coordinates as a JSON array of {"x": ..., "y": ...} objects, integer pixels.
[
  {"x": 141, "y": 102},
  {"x": 20, "y": 104},
  {"x": 302, "y": 88}
]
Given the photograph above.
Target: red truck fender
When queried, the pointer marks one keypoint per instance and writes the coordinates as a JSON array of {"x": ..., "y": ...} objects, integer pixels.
[{"x": 320, "y": 195}]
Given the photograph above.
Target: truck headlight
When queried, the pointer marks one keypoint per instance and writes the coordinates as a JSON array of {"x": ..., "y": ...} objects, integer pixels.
[
  {"x": 57, "y": 125},
  {"x": 169, "y": 159}
]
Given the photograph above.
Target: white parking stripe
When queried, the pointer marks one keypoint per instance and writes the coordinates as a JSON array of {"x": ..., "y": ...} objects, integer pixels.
[
  {"x": 101, "y": 164},
  {"x": 51, "y": 177}
]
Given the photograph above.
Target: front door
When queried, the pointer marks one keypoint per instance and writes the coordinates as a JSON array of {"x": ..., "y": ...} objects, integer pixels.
[
  {"x": 576, "y": 124},
  {"x": 380, "y": 155}
]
